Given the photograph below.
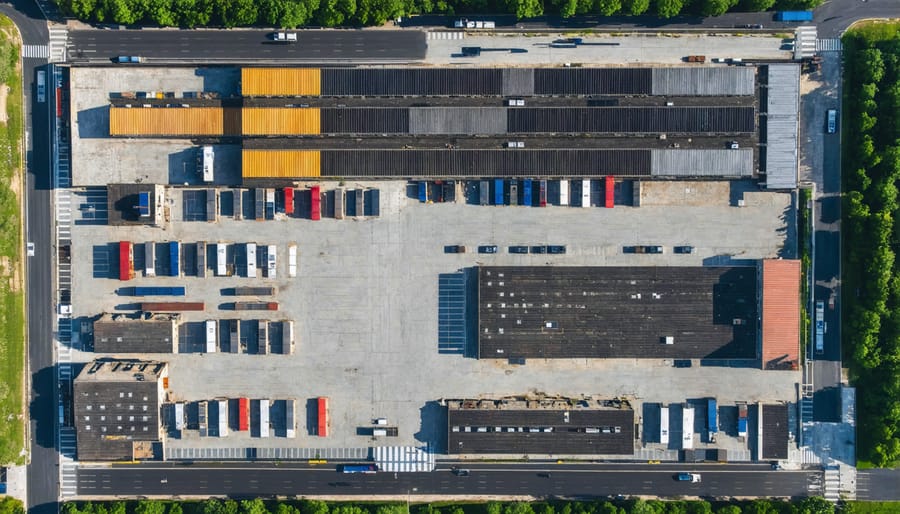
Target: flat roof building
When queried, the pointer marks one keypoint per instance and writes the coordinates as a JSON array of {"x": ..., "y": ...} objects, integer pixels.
[
  {"x": 118, "y": 333},
  {"x": 551, "y": 426},
  {"x": 135, "y": 204},
  {"x": 775, "y": 431},
  {"x": 781, "y": 314},
  {"x": 117, "y": 410},
  {"x": 617, "y": 312}
]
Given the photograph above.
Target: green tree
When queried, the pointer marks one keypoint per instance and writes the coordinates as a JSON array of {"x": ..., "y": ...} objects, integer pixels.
[
  {"x": 668, "y": 8},
  {"x": 757, "y": 5},
  {"x": 286, "y": 508},
  {"x": 493, "y": 508},
  {"x": 518, "y": 508},
  {"x": 635, "y": 7},
  {"x": 162, "y": 12},
  {"x": 872, "y": 68},
  {"x": 118, "y": 508},
  {"x": 525, "y": 8},
  {"x": 313, "y": 507},
  {"x": 729, "y": 509},
  {"x": 10, "y": 505},
  {"x": 149, "y": 507},
  {"x": 175, "y": 508},
  {"x": 716, "y": 7},
  {"x": 237, "y": 13},
  {"x": 609, "y": 7},
  {"x": 254, "y": 506},
  {"x": 815, "y": 505},
  {"x": 193, "y": 13}
]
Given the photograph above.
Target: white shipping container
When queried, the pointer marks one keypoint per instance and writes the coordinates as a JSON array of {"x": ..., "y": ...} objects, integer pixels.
[
  {"x": 264, "y": 418},
  {"x": 687, "y": 428},
  {"x": 585, "y": 193},
  {"x": 270, "y": 261},
  {"x": 251, "y": 260},
  {"x": 664, "y": 425},
  {"x": 221, "y": 270},
  {"x": 179, "y": 416},
  {"x": 223, "y": 418},
  {"x": 564, "y": 192},
  {"x": 208, "y": 158},
  {"x": 292, "y": 260},
  {"x": 211, "y": 333}
]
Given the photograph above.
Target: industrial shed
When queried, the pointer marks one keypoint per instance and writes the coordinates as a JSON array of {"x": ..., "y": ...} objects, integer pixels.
[
  {"x": 281, "y": 81},
  {"x": 782, "y": 122},
  {"x": 523, "y": 427},
  {"x": 701, "y": 163},
  {"x": 781, "y": 314},
  {"x": 174, "y": 121},
  {"x": 117, "y": 333},
  {"x": 617, "y": 312},
  {"x": 117, "y": 410},
  {"x": 730, "y": 81},
  {"x": 775, "y": 432}
]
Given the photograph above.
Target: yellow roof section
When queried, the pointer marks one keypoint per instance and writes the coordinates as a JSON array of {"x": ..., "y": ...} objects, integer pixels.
[
  {"x": 167, "y": 121},
  {"x": 281, "y": 163},
  {"x": 281, "y": 82},
  {"x": 280, "y": 121}
]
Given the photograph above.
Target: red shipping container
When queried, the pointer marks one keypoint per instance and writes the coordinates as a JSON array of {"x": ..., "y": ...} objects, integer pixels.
[
  {"x": 323, "y": 417},
  {"x": 315, "y": 210},
  {"x": 289, "y": 201},
  {"x": 126, "y": 261},
  {"x": 610, "y": 189},
  {"x": 172, "y": 306},
  {"x": 59, "y": 109},
  {"x": 243, "y": 414}
]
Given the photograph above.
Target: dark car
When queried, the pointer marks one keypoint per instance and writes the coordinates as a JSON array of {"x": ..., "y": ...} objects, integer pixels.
[
  {"x": 460, "y": 472},
  {"x": 487, "y": 249},
  {"x": 557, "y": 249},
  {"x": 518, "y": 249},
  {"x": 684, "y": 249},
  {"x": 454, "y": 249},
  {"x": 652, "y": 249},
  {"x": 544, "y": 475},
  {"x": 682, "y": 363},
  {"x": 643, "y": 249},
  {"x": 539, "y": 249}
]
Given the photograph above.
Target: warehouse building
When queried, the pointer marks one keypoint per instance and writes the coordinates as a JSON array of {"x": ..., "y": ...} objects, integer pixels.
[
  {"x": 152, "y": 333},
  {"x": 618, "y": 312},
  {"x": 136, "y": 204},
  {"x": 775, "y": 432},
  {"x": 547, "y": 426},
  {"x": 780, "y": 314},
  {"x": 117, "y": 410}
]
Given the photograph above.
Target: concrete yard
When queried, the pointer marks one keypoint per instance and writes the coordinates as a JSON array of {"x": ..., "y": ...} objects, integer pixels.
[{"x": 365, "y": 306}]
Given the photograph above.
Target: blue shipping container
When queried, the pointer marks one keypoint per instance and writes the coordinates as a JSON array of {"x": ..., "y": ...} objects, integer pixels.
[
  {"x": 711, "y": 416},
  {"x": 174, "y": 264},
  {"x": 742, "y": 425},
  {"x": 423, "y": 192},
  {"x": 498, "y": 191},
  {"x": 794, "y": 16},
  {"x": 526, "y": 192},
  {"x": 158, "y": 291}
]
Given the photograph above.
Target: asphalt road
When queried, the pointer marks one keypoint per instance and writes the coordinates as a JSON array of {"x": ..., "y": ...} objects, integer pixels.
[
  {"x": 878, "y": 485},
  {"x": 250, "y": 45},
  {"x": 42, "y": 472},
  {"x": 495, "y": 479}
]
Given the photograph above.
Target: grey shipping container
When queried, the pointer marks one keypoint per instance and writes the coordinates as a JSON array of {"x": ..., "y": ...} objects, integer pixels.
[
  {"x": 212, "y": 204},
  {"x": 338, "y": 204},
  {"x": 262, "y": 337},
  {"x": 254, "y": 291},
  {"x": 260, "y": 204},
  {"x": 201, "y": 418},
  {"x": 201, "y": 259},
  {"x": 238, "y": 204},
  {"x": 484, "y": 189},
  {"x": 360, "y": 203},
  {"x": 373, "y": 203},
  {"x": 513, "y": 192},
  {"x": 290, "y": 406},
  {"x": 234, "y": 341}
]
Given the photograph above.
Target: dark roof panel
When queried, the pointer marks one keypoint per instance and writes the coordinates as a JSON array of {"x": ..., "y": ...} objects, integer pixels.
[{"x": 775, "y": 431}]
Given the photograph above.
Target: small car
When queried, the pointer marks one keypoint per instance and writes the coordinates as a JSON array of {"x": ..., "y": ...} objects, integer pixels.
[
  {"x": 556, "y": 249},
  {"x": 30, "y": 249},
  {"x": 734, "y": 145},
  {"x": 653, "y": 249},
  {"x": 284, "y": 37},
  {"x": 461, "y": 472},
  {"x": 518, "y": 249},
  {"x": 683, "y": 249},
  {"x": 539, "y": 249},
  {"x": 455, "y": 249},
  {"x": 688, "y": 477},
  {"x": 128, "y": 59},
  {"x": 487, "y": 249}
]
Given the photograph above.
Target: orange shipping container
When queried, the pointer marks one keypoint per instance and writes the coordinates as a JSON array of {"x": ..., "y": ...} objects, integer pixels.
[
  {"x": 281, "y": 163},
  {"x": 171, "y": 121},
  {"x": 280, "y": 121},
  {"x": 281, "y": 82}
]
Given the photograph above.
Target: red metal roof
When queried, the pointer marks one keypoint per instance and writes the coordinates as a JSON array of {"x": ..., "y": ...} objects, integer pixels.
[{"x": 780, "y": 314}]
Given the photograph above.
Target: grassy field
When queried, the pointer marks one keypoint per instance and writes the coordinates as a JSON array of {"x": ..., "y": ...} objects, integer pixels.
[{"x": 12, "y": 298}]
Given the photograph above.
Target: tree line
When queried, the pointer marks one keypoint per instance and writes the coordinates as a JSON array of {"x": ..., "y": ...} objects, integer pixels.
[
  {"x": 871, "y": 271},
  {"x": 339, "y": 13},
  {"x": 811, "y": 505}
]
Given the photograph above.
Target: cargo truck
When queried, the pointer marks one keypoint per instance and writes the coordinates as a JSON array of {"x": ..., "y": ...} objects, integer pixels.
[
  {"x": 158, "y": 291},
  {"x": 254, "y": 291},
  {"x": 259, "y": 205},
  {"x": 585, "y": 193},
  {"x": 498, "y": 191},
  {"x": 820, "y": 327},
  {"x": 542, "y": 200},
  {"x": 262, "y": 337},
  {"x": 234, "y": 336},
  {"x": 289, "y": 423},
  {"x": 359, "y": 468},
  {"x": 271, "y": 264},
  {"x": 609, "y": 190},
  {"x": 270, "y": 204},
  {"x": 564, "y": 192},
  {"x": 526, "y": 192},
  {"x": 287, "y": 337},
  {"x": 315, "y": 207},
  {"x": 423, "y": 191},
  {"x": 172, "y": 306},
  {"x": 179, "y": 416},
  {"x": 211, "y": 336},
  {"x": 742, "y": 420},
  {"x": 484, "y": 190},
  {"x": 712, "y": 421},
  {"x": 174, "y": 259},
  {"x": 687, "y": 428},
  {"x": 223, "y": 418},
  {"x": 264, "y": 418},
  {"x": 149, "y": 259},
  {"x": 255, "y": 306},
  {"x": 338, "y": 204},
  {"x": 251, "y": 260},
  {"x": 794, "y": 16},
  {"x": 201, "y": 259},
  {"x": 322, "y": 416},
  {"x": 202, "y": 408},
  {"x": 221, "y": 265},
  {"x": 243, "y": 414},
  {"x": 126, "y": 261},
  {"x": 206, "y": 163},
  {"x": 289, "y": 201},
  {"x": 664, "y": 425}
]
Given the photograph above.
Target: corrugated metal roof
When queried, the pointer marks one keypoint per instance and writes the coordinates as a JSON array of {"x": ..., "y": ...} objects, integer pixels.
[
  {"x": 283, "y": 121},
  {"x": 780, "y": 314},
  {"x": 518, "y": 82},
  {"x": 701, "y": 163},
  {"x": 280, "y": 81},
  {"x": 592, "y": 81},
  {"x": 730, "y": 81},
  {"x": 403, "y": 459},
  {"x": 280, "y": 163},
  {"x": 365, "y": 120},
  {"x": 173, "y": 121},
  {"x": 619, "y": 120},
  {"x": 411, "y": 82},
  {"x": 457, "y": 120},
  {"x": 782, "y": 126}
]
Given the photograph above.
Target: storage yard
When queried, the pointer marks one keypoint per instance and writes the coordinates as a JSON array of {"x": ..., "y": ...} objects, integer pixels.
[{"x": 473, "y": 261}]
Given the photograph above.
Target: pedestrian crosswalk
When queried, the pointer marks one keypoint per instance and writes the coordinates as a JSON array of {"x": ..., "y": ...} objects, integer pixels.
[
  {"x": 828, "y": 45},
  {"x": 35, "y": 51},
  {"x": 59, "y": 37},
  {"x": 447, "y": 35}
]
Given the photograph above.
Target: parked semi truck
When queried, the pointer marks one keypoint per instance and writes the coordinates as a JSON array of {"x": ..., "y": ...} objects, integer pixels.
[
  {"x": 794, "y": 16},
  {"x": 158, "y": 291}
]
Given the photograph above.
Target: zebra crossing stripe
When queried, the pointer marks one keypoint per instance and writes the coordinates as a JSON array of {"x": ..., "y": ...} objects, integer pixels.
[{"x": 35, "y": 51}]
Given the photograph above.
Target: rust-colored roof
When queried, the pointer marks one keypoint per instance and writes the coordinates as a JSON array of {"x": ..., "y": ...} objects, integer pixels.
[{"x": 780, "y": 314}]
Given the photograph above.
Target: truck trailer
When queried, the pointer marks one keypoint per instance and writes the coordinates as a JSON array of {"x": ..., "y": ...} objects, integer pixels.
[{"x": 211, "y": 336}]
